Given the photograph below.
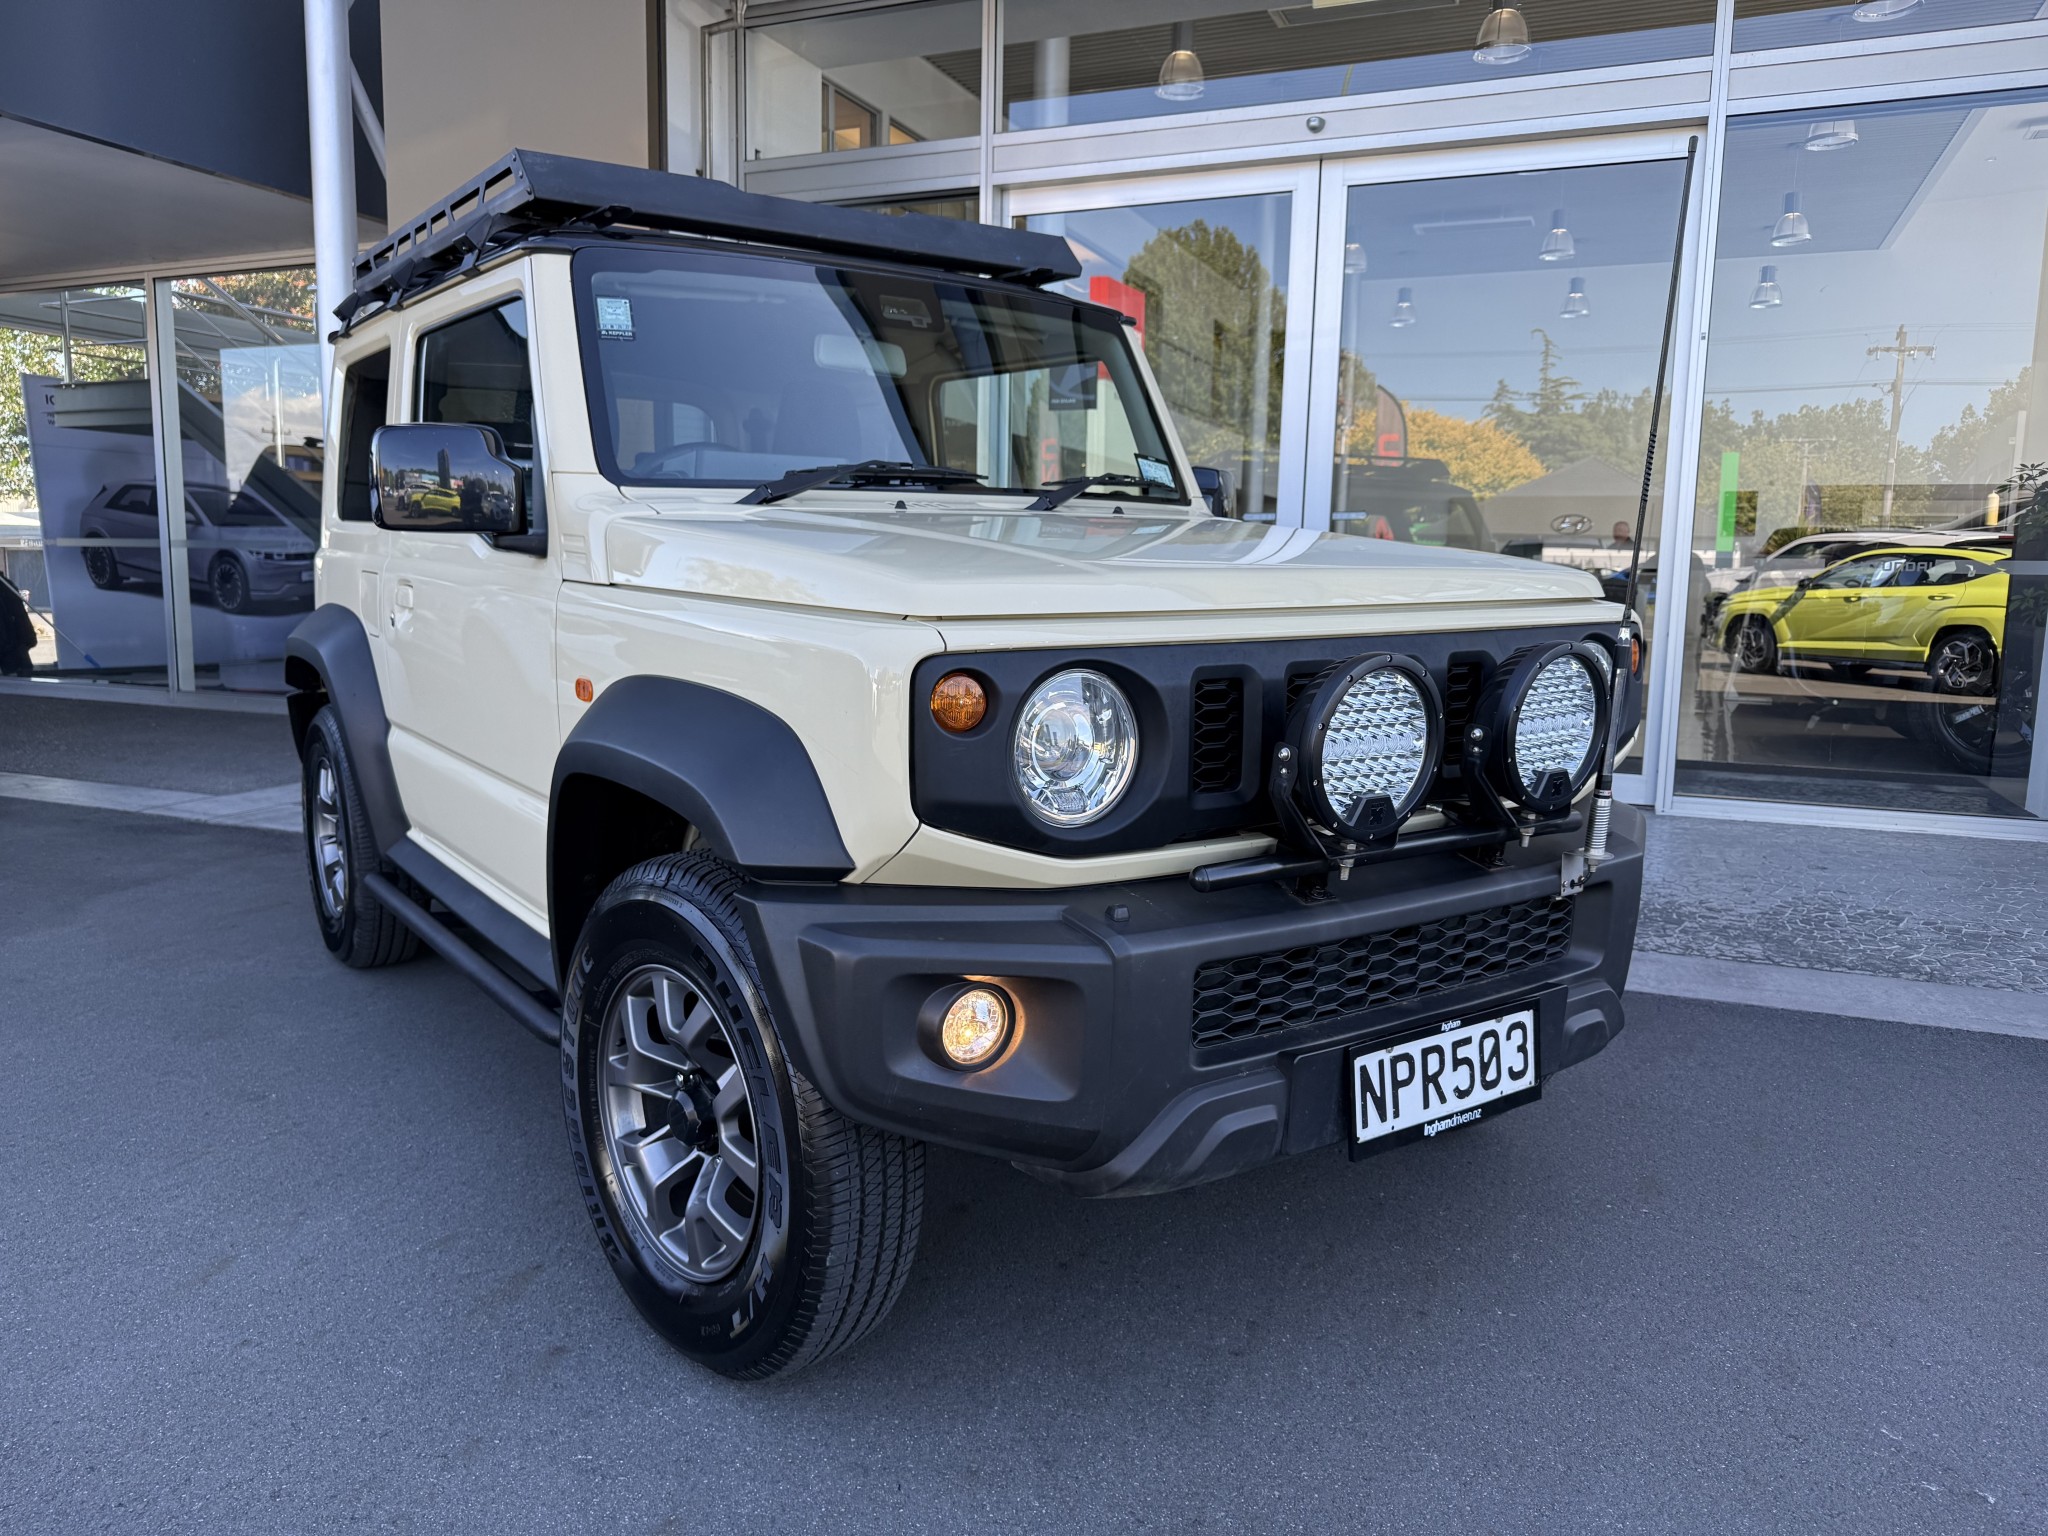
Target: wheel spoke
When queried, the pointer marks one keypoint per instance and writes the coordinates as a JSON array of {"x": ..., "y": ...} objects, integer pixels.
[
  {"x": 711, "y": 1227},
  {"x": 690, "y": 1022},
  {"x": 642, "y": 1010}
]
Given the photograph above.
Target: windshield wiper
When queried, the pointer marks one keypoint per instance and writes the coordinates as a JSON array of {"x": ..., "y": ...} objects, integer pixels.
[
  {"x": 1060, "y": 492},
  {"x": 866, "y": 472}
]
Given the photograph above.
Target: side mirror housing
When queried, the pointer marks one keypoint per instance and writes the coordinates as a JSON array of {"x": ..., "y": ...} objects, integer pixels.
[
  {"x": 445, "y": 478},
  {"x": 1805, "y": 582},
  {"x": 1218, "y": 487}
]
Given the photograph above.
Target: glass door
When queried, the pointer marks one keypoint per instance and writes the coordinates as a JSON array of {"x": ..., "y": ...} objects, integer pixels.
[
  {"x": 1215, "y": 272},
  {"x": 1486, "y": 337}
]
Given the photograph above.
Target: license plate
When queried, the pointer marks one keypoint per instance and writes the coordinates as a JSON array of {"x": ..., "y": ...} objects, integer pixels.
[{"x": 1450, "y": 1075}]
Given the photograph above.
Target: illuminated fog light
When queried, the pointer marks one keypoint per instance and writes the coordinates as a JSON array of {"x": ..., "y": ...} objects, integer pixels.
[{"x": 975, "y": 1026}]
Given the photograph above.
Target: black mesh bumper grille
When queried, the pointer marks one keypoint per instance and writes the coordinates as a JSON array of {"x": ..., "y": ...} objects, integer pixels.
[{"x": 1257, "y": 994}]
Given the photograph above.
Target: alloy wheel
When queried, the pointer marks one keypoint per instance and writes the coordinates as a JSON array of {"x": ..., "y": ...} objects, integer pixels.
[
  {"x": 679, "y": 1124},
  {"x": 1752, "y": 647},
  {"x": 1963, "y": 664},
  {"x": 330, "y": 849}
]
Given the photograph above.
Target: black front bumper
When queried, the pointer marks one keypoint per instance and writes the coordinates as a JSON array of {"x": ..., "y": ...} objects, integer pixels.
[{"x": 1107, "y": 1090}]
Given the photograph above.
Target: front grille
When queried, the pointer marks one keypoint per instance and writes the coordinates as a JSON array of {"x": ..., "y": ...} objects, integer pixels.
[
  {"x": 1257, "y": 994},
  {"x": 1216, "y": 735}
]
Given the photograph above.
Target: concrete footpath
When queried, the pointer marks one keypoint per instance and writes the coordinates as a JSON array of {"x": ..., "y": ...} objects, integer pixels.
[{"x": 1910, "y": 927}]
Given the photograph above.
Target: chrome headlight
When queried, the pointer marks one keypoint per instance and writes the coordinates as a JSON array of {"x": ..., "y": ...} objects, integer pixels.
[
  {"x": 1368, "y": 738},
  {"x": 1550, "y": 721},
  {"x": 1076, "y": 748}
]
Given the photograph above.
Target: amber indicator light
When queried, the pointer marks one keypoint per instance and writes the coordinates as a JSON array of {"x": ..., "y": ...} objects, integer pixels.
[
  {"x": 958, "y": 702},
  {"x": 584, "y": 691}
]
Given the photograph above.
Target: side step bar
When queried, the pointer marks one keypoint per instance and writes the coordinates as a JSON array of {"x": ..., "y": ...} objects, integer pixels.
[{"x": 507, "y": 993}]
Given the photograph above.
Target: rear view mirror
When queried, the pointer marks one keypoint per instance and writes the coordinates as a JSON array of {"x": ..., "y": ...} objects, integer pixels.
[
  {"x": 445, "y": 478},
  {"x": 1218, "y": 487}
]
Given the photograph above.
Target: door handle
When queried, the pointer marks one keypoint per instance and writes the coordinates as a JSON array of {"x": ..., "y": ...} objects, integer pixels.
[
  {"x": 401, "y": 603},
  {"x": 1940, "y": 597}
]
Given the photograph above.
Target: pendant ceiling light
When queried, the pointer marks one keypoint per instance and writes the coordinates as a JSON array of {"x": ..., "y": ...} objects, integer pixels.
[
  {"x": 1765, "y": 295},
  {"x": 1503, "y": 36},
  {"x": 1882, "y": 10},
  {"x": 1354, "y": 259},
  {"x": 1837, "y": 134},
  {"x": 1557, "y": 245},
  {"x": 1791, "y": 226},
  {"x": 1575, "y": 300},
  {"x": 1180, "y": 77},
  {"x": 1404, "y": 309}
]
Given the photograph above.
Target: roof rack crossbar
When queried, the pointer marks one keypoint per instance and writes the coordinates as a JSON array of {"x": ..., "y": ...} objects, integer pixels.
[{"x": 529, "y": 193}]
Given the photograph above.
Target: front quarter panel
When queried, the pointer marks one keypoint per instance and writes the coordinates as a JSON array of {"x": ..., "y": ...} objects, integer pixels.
[{"x": 841, "y": 684}]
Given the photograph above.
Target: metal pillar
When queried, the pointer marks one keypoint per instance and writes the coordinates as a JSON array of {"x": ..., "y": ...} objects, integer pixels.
[
  {"x": 330, "y": 108},
  {"x": 160, "y": 352}
]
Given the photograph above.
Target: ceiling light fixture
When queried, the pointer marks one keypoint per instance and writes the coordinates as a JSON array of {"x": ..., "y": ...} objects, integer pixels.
[
  {"x": 1354, "y": 259},
  {"x": 1765, "y": 295},
  {"x": 1557, "y": 245},
  {"x": 1180, "y": 77},
  {"x": 1404, "y": 309},
  {"x": 1575, "y": 304},
  {"x": 1882, "y": 10},
  {"x": 1503, "y": 36},
  {"x": 1838, "y": 133},
  {"x": 1791, "y": 227}
]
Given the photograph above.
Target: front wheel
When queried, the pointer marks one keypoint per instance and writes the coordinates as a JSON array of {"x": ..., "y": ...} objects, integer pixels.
[
  {"x": 102, "y": 565},
  {"x": 358, "y": 929},
  {"x": 1755, "y": 646},
  {"x": 754, "y": 1227},
  {"x": 229, "y": 585}
]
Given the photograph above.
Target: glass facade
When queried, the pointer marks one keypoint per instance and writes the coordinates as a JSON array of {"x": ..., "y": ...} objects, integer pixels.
[
  {"x": 1865, "y": 540},
  {"x": 1068, "y": 61},
  {"x": 81, "y": 542},
  {"x": 99, "y": 583},
  {"x": 866, "y": 80}
]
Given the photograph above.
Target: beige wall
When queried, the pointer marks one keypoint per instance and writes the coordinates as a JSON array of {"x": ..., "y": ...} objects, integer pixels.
[{"x": 466, "y": 80}]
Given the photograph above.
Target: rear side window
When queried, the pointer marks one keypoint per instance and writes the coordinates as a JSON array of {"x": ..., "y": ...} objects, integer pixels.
[
  {"x": 474, "y": 370},
  {"x": 365, "y": 406}
]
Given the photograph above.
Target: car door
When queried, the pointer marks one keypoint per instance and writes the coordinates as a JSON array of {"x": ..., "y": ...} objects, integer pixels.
[
  {"x": 1827, "y": 616},
  {"x": 467, "y": 664}
]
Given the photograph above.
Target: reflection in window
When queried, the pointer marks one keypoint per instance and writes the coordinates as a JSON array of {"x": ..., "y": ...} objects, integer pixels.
[
  {"x": 1873, "y": 435},
  {"x": 895, "y": 76},
  {"x": 1204, "y": 285},
  {"x": 1761, "y": 24},
  {"x": 80, "y": 588},
  {"x": 1497, "y": 357},
  {"x": 1062, "y": 64},
  {"x": 249, "y": 417}
]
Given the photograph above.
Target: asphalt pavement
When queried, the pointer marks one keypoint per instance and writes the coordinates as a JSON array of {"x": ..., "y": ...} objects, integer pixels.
[{"x": 287, "y": 1247}]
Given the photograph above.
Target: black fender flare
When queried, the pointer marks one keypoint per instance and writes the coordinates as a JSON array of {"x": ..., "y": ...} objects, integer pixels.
[
  {"x": 735, "y": 772},
  {"x": 329, "y": 653}
]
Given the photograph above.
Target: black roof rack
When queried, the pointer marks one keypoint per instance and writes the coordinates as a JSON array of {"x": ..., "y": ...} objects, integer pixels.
[{"x": 529, "y": 193}]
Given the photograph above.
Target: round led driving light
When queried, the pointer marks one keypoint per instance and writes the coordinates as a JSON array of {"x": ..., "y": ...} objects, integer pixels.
[
  {"x": 1369, "y": 736},
  {"x": 1548, "y": 741},
  {"x": 969, "y": 1025},
  {"x": 1075, "y": 749}
]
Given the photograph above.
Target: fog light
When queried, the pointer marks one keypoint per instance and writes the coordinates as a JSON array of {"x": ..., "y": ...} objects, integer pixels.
[{"x": 973, "y": 1025}]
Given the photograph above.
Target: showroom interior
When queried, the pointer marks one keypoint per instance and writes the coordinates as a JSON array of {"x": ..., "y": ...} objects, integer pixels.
[{"x": 1402, "y": 268}]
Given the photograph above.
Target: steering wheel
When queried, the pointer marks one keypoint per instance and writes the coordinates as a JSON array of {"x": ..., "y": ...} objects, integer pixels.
[{"x": 647, "y": 463}]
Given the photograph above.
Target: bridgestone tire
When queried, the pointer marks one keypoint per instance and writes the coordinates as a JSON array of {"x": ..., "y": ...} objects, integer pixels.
[
  {"x": 358, "y": 929},
  {"x": 835, "y": 1222}
]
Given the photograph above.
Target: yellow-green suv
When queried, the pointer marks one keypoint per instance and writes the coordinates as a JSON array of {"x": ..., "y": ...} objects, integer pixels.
[{"x": 1942, "y": 609}]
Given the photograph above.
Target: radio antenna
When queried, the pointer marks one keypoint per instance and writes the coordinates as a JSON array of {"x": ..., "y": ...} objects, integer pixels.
[{"x": 1603, "y": 794}]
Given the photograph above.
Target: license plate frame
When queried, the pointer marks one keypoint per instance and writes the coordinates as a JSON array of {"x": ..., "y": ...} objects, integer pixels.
[{"x": 1361, "y": 1106}]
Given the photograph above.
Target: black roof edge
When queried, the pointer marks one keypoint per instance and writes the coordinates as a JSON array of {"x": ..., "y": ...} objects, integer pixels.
[{"x": 530, "y": 193}]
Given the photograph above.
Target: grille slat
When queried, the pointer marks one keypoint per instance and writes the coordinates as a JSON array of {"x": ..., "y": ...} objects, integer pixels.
[
  {"x": 1258, "y": 994},
  {"x": 1216, "y": 735}
]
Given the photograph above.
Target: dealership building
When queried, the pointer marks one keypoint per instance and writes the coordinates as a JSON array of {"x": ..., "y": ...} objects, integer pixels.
[{"x": 1402, "y": 268}]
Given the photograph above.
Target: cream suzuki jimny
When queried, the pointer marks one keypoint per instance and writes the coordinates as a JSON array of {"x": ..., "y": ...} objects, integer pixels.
[{"x": 785, "y": 655}]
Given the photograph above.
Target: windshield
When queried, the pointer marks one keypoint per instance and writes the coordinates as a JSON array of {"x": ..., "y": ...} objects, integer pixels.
[{"x": 732, "y": 370}]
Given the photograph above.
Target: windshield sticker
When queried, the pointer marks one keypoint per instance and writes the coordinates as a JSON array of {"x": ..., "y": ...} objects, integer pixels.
[
  {"x": 1155, "y": 471},
  {"x": 615, "y": 319},
  {"x": 906, "y": 312},
  {"x": 1073, "y": 387}
]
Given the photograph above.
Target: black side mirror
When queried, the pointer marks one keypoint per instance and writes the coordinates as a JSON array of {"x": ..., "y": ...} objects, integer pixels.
[
  {"x": 1805, "y": 582},
  {"x": 1218, "y": 487},
  {"x": 436, "y": 478}
]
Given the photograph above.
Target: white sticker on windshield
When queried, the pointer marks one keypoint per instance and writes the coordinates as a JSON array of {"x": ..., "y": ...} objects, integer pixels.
[
  {"x": 615, "y": 319},
  {"x": 1155, "y": 471}
]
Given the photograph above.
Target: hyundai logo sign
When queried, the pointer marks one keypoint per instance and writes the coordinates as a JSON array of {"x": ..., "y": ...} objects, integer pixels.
[{"x": 1571, "y": 522}]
